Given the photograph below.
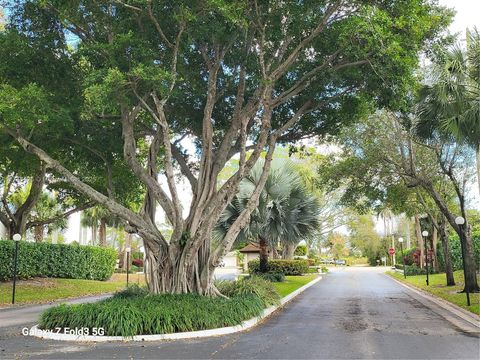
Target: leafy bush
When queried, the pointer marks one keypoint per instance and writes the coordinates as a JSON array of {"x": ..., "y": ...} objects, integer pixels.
[
  {"x": 137, "y": 255},
  {"x": 273, "y": 277},
  {"x": 456, "y": 251},
  {"x": 409, "y": 257},
  {"x": 254, "y": 285},
  {"x": 138, "y": 263},
  {"x": 314, "y": 257},
  {"x": 132, "y": 291},
  {"x": 131, "y": 313},
  {"x": 415, "y": 270},
  {"x": 310, "y": 262},
  {"x": 286, "y": 267},
  {"x": 353, "y": 260},
  {"x": 57, "y": 260},
  {"x": 301, "y": 250},
  {"x": 324, "y": 269}
]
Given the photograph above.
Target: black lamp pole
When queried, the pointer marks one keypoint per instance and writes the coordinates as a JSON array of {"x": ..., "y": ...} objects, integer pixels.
[
  {"x": 403, "y": 259},
  {"x": 16, "y": 239}
]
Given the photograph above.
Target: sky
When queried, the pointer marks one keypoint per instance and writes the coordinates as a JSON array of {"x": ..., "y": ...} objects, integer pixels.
[{"x": 468, "y": 14}]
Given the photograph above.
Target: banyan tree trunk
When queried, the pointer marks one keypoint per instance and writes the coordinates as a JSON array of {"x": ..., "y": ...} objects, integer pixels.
[{"x": 168, "y": 271}]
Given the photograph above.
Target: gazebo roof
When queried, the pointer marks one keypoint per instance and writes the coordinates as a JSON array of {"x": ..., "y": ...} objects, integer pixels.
[{"x": 250, "y": 248}]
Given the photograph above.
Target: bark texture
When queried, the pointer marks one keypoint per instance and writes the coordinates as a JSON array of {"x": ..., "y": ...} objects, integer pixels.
[
  {"x": 288, "y": 251},
  {"x": 263, "y": 254},
  {"x": 443, "y": 230},
  {"x": 418, "y": 235},
  {"x": 102, "y": 233},
  {"x": 186, "y": 262}
]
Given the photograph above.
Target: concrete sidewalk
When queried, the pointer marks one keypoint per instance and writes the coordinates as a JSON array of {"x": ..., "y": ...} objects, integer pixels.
[{"x": 29, "y": 314}]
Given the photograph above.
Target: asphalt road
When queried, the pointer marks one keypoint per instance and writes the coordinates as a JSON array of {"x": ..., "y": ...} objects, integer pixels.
[{"x": 350, "y": 314}]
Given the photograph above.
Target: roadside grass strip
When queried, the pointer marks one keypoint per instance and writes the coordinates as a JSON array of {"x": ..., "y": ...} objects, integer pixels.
[
  {"x": 45, "y": 290},
  {"x": 438, "y": 288}
]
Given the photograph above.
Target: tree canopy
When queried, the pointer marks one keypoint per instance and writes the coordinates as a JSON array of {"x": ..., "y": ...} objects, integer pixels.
[{"x": 234, "y": 77}]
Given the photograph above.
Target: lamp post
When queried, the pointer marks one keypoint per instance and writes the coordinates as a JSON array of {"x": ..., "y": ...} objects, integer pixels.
[
  {"x": 460, "y": 221},
  {"x": 425, "y": 234},
  {"x": 400, "y": 240},
  {"x": 16, "y": 239},
  {"x": 128, "y": 261}
]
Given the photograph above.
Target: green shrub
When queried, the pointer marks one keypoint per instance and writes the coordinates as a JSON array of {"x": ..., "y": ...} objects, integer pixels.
[
  {"x": 130, "y": 314},
  {"x": 273, "y": 277},
  {"x": 57, "y": 260},
  {"x": 254, "y": 285},
  {"x": 324, "y": 269},
  {"x": 301, "y": 250},
  {"x": 415, "y": 270},
  {"x": 132, "y": 291},
  {"x": 315, "y": 258},
  {"x": 456, "y": 251},
  {"x": 286, "y": 267}
]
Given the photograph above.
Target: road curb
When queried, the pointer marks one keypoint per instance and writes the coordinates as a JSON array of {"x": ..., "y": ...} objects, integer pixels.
[
  {"x": 247, "y": 324},
  {"x": 465, "y": 315}
]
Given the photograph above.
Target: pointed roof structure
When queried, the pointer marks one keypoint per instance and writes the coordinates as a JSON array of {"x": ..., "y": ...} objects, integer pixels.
[{"x": 250, "y": 248}]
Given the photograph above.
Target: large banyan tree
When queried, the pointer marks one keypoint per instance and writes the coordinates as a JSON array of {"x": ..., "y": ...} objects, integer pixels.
[{"x": 235, "y": 78}]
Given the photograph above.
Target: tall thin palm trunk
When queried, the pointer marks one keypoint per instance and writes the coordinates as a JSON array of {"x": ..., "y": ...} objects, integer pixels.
[
  {"x": 478, "y": 167},
  {"x": 102, "y": 233},
  {"x": 263, "y": 254}
]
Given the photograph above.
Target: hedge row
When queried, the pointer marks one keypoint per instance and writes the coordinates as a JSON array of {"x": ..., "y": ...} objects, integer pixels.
[
  {"x": 286, "y": 267},
  {"x": 56, "y": 260}
]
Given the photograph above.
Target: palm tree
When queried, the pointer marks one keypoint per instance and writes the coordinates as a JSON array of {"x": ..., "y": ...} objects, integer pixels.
[
  {"x": 286, "y": 212},
  {"x": 450, "y": 104},
  {"x": 97, "y": 218}
]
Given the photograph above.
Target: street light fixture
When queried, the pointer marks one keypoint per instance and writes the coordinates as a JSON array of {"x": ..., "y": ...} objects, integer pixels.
[
  {"x": 400, "y": 240},
  {"x": 16, "y": 238},
  {"x": 460, "y": 221},
  {"x": 425, "y": 234},
  {"x": 128, "y": 261}
]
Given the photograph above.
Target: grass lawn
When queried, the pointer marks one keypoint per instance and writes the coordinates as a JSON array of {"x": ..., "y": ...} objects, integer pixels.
[
  {"x": 44, "y": 290},
  {"x": 437, "y": 287},
  {"x": 293, "y": 283}
]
